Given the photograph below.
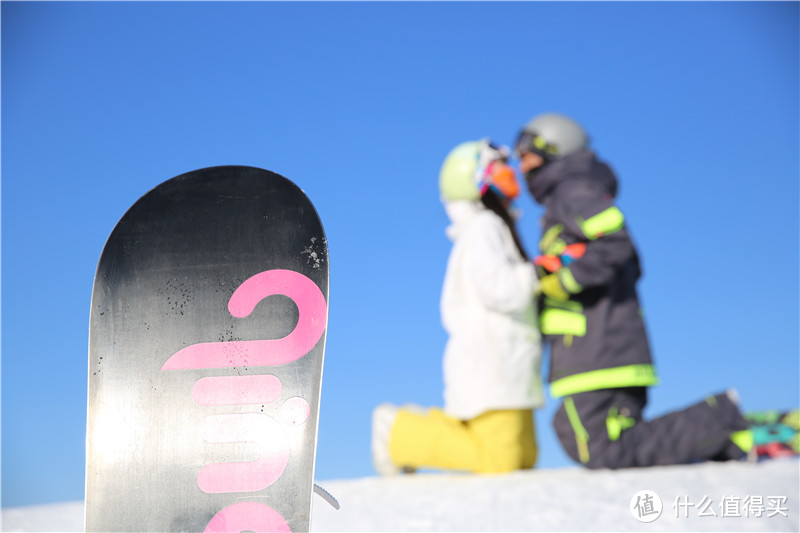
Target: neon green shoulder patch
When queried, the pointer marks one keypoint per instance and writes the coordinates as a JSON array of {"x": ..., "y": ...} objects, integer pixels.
[{"x": 609, "y": 221}]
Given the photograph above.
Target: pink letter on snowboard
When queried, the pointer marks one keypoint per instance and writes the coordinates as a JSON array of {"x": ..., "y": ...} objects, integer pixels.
[
  {"x": 236, "y": 390},
  {"x": 311, "y": 324},
  {"x": 247, "y": 516},
  {"x": 261, "y": 430}
]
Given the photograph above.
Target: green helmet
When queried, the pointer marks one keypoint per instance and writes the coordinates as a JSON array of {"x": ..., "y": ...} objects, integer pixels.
[
  {"x": 552, "y": 136},
  {"x": 462, "y": 176},
  {"x": 457, "y": 176}
]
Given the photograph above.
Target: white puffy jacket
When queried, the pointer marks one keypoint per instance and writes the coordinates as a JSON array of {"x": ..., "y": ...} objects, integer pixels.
[{"x": 493, "y": 355}]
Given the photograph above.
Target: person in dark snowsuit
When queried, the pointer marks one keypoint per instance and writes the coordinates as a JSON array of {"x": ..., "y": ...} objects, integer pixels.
[{"x": 601, "y": 365}]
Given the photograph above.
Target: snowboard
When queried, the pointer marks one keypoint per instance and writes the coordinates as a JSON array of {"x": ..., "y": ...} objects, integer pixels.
[{"x": 206, "y": 345}]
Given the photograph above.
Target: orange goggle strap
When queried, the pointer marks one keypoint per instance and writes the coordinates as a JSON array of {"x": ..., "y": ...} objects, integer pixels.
[{"x": 500, "y": 177}]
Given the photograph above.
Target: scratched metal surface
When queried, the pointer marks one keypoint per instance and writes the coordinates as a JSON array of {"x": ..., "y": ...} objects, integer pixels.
[{"x": 163, "y": 283}]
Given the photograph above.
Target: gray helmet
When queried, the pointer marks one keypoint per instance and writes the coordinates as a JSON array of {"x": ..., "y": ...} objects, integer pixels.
[{"x": 552, "y": 136}]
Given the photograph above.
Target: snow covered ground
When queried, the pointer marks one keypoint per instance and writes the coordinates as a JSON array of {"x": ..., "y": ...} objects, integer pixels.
[{"x": 704, "y": 497}]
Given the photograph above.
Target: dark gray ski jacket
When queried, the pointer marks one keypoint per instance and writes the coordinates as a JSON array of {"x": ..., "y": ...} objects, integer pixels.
[{"x": 597, "y": 337}]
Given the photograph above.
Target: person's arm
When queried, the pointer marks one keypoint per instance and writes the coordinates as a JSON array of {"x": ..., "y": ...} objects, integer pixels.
[{"x": 590, "y": 216}]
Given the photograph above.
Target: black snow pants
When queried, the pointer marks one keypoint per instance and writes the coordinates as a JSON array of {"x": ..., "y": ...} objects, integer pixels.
[{"x": 605, "y": 429}]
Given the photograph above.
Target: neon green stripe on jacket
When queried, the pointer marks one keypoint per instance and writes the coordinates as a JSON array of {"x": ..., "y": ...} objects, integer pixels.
[
  {"x": 568, "y": 281},
  {"x": 551, "y": 243},
  {"x": 609, "y": 221},
  {"x": 562, "y": 322},
  {"x": 606, "y": 378}
]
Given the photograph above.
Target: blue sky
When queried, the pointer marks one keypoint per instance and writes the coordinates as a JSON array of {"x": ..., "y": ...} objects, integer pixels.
[{"x": 695, "y": 105}]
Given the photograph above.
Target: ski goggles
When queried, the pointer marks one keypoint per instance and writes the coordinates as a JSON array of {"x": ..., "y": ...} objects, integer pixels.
[
  {"x": 494, "y": 152},
  {"x": 528, "y": 141}
]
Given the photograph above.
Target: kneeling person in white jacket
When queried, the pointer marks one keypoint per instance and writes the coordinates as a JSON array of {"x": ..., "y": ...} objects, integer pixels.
[{"x": 492, "y": 360}]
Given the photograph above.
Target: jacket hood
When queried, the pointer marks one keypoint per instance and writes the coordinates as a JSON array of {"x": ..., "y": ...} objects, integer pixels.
[{"x": 581, "y": 164}]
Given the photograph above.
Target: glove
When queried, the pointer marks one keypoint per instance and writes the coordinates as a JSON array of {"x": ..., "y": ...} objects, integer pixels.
[
  {"x": 551, "y": 286},
  {"x": 553, "y": 263},
  {"x": 550, "y": 263}
]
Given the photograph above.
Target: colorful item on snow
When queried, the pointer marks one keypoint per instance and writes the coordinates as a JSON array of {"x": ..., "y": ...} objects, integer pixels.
[{"x": 775, "y": 433}]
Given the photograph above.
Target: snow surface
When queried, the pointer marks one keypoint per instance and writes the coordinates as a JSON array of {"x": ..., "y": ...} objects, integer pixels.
[{"x": 569, "y": 499}]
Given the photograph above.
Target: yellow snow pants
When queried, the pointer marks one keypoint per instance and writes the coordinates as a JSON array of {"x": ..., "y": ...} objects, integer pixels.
[{"x": 493, "y": 442}]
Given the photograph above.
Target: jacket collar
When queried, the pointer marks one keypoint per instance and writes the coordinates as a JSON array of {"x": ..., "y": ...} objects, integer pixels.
[
  {"x": 461, "y": 213},
  {"x": 581, "y": 164}
]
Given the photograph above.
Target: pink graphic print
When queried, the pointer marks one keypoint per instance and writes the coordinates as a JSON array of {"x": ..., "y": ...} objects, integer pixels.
[
  {"x": 295, "y": 411},
  {"x": 273, "y": 448},
  {"x": 247, "y": 516},
  {"x": 236, "y": 390},
  {"x": 310, "y": 326},
  {"x": 263, "y": 433}
]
